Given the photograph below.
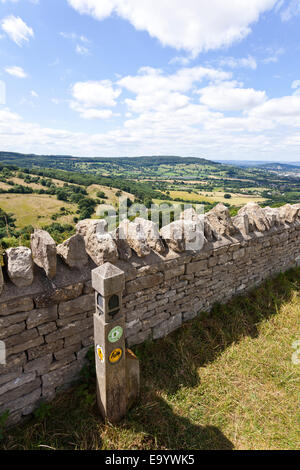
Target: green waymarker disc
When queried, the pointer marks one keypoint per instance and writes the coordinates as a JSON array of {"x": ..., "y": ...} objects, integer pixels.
[{"x": 115, "y": 334}]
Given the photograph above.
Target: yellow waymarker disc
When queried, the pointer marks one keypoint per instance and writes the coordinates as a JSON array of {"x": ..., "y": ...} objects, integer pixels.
[
  {"x": 100, "y": 353},
  {"x": 115, "y": 356}
]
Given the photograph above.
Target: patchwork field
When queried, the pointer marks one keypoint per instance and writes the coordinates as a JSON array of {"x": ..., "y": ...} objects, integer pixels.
[{"x": 236, "y": 199}]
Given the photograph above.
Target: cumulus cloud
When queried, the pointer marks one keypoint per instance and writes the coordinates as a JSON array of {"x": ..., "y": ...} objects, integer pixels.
[
  {"x": 196, "y": 110},
  {"x": 157, "y": 91},
  {"x": 17, "y": 29},
  {"x": 242, "y": 62},
  {"x": 16, "y": 71},
  {"x": 296, "y": 84},
  {"x": 93, "y": 93},
  {"x": 229, "y": 97},
  {"x": 82, "y": 50},
  {"x": 193, "y": 25},
  {"x": 292, "y": 10},
  {"x": 90, "y": 113},
  {"x": 89, "y": 98},
  {"x": 282, "y": 111}
]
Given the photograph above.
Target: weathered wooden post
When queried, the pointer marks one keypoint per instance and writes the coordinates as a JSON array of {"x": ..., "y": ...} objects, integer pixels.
[{"x": 109, "y": 335}]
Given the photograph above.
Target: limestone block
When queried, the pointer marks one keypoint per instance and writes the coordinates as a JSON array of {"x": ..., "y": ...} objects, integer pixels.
[
  {"x": 258, "y": 220},
  {"x": 82, "y": 304},
  {"x": 289, "y": 213},
  {"x": 101, "y": 247},
  {"x": 12, "y": 330},
  {"x": 61, "y": 376},
  {"x": 196, "y": 267},
  {"x": 91, "y": 226},
  {"x": 151, "y": 232},
  {"x": 220, "y": 220},
  {"x": 65, "y": 352},
  {"x": 72, "y": 251},
  {"x": 25, "y": 345},
  {"x": 43, "y": 249},
  {"x": 136, "y": 237},
  {"x": 39, "y": 316},
  {"x": 13, "y": 363},
  {"x": 165, "y": 328},
  {"x": 40, "y": 365},
  {"x": 145, "y": 282},
  {"x": 15, "y": 306},
  {"x": 59, "y": 295},
  {"x": 42, "y": 350},
  {"x": 241, "y": 222},
  {"x": 174, "y": 272},
  {"x": 124, "y": 250},
  {"x": 190, "y": 215},
  {"x": 23, "y": 401},
  {"x": 47, "y": 328},
  {"x": 183, "y": 235},
  {"x": 20, "y": 266},
  {"x": 15, "y": 383},
  {"x": 273, "y": 216},
  {"x": 139, "y": 338}
]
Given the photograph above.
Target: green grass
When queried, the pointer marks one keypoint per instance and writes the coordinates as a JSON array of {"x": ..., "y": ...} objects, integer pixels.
[{"x": 223, "y": 381}]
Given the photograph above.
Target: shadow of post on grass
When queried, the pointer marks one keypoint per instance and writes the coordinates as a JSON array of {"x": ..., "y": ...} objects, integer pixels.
[{"x": 172, "y": 363}]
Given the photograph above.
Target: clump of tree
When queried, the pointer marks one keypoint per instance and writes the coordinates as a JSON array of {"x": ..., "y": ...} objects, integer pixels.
[
  {"x": 60, "y": 232},
  {"x": 7, "y": 224},
  {"x": 86, "y": 208}
]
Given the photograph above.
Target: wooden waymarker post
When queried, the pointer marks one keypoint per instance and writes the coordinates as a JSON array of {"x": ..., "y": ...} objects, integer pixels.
[{"x": 109, "y": 334}]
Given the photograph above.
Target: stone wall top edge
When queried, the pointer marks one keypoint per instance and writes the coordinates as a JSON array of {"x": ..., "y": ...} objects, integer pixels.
[{"x": 65, "y": 277}]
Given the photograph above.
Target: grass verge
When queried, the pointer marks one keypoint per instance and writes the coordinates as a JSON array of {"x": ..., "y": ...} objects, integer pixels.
[{"x": 226, "y": 380}]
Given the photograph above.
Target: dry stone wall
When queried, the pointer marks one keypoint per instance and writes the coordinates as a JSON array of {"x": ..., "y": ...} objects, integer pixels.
[{"x": 46, "y": 320}]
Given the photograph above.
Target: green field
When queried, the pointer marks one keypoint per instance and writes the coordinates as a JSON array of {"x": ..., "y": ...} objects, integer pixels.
[
  {"x": 34, "y": 188},
  {"x": 226, "y": 380}
]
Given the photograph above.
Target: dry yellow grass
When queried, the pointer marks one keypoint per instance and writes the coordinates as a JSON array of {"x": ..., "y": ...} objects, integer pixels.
[
  {"x": 216, "y": 196},
  {"x": 29, "y": 185},
  {"x": 34, "y": 209}
]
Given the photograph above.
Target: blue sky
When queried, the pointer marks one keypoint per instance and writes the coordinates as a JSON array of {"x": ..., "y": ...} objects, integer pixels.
[{"x": 219, "y": 80}]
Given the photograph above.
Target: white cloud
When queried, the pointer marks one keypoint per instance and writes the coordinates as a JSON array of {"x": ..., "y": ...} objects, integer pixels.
[
  {"x": 292, "y": 10},
  {"x": 159, "y": 92},
  {"x": 296, "y": 84},
  {"x": 74, "y": 37},
  {"x": 91, "y": 113},
  {"x": 2, "y": 92},
  {"x": 16, "y": 71},
  {"x": 34, "y": 94},
  {"x": 229, "y": 97},
  {"x": 196, "y": 111},
  {"x": 284, "y": 110},
  {"x": 93, "y": 93},
  {"x": 193, "y": 25},
  {"x": 150, "y": 79},
  {"x": 17, "y": 29},
  {"x": 243, "y": 62},
  {"x": 89, "y": 99},
  {"x": 180, "y": 60},
  {"x": 81, "y": 50},
  {"x": 274, "y": 55}
]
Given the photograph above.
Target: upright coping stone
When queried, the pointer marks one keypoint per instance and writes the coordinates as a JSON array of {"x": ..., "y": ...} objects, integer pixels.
[{"x": 109, "y": 334}]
